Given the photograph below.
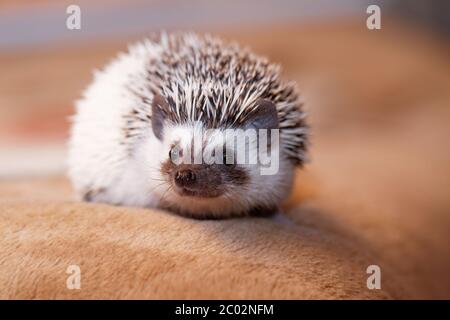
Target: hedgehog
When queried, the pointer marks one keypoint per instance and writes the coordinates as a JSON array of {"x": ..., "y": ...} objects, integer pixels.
[{"x": 148, "y": 107}]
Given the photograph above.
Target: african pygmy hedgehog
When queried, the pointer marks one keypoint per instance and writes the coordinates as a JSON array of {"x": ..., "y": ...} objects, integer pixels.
[{"x": 145, "y": 108}]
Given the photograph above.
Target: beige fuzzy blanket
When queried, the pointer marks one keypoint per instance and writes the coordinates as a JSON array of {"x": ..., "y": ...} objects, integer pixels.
[
  {"x": 375, "y": 193},
  {"x": 137, "y": 253}
]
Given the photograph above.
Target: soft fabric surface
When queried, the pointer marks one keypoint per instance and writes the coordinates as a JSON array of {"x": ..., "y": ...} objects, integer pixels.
[
  {"x": 137, "y": 253},
  {"x": 375, "y": 192}
]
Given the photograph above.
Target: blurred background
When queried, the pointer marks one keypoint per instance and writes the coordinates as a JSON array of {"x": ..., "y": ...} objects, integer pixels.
[{"x": 378, "y": 102}]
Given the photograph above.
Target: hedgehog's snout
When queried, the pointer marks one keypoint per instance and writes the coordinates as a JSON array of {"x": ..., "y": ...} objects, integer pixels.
[
  {"x": 185, "y": 178},
  {"x": 197, "y": 180}
]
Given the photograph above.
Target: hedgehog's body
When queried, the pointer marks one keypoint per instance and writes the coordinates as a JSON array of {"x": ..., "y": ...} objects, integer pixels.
[{"x": 158, "y": 95}]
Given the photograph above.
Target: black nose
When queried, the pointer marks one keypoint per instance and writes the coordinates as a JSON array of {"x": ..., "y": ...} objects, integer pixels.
[{"x": 184, "y": 178}]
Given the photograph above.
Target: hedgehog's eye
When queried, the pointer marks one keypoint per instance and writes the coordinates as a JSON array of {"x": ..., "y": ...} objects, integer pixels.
[{"x": 175, "y": 153}]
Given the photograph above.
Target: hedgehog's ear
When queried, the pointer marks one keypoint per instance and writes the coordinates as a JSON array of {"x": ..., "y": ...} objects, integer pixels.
[
  {"x": 264, "y": 116},
  {"x": 158, "y": 105}
]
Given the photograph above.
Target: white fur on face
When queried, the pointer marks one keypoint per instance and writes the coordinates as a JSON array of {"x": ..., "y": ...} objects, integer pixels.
[{"x": 261, "y": 190}]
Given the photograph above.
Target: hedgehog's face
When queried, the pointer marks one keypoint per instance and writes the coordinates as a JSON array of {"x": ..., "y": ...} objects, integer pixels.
[
  {"x": 212, "y": 172},
  {"x": 199, "y": 164}
]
